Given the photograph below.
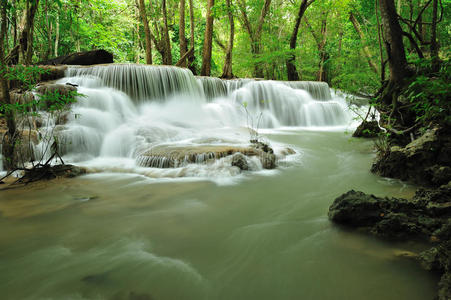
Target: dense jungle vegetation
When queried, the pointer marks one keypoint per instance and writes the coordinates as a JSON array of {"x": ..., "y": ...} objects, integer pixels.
[{"x": 341, "y": 42}]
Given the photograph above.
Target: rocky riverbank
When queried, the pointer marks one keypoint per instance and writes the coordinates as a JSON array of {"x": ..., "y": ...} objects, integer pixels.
[
  {"x": 425, "y": 161},
  {"x": 426, "y": 217}
]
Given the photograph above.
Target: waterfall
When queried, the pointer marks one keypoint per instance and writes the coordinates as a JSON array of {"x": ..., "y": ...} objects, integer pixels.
[
  {"x": 128, "y": 110},
  {"x": 141, "y": 82},
  {"x": 215, "y": 87}
]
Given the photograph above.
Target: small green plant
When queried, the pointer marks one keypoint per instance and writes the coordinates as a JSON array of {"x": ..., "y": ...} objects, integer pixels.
[
  {"x": 251, "y": 121},
  {"x": 382, "y": 144}
]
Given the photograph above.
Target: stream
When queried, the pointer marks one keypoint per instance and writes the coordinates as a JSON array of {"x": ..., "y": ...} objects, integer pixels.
[{"x": 205, "y": 230}]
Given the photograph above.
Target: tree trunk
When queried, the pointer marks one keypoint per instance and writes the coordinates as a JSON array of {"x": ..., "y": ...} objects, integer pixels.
[
  {"x": 191, "y": 57},
  {"x": 8, "y": 141},
  {"x": 227, "y": 69},
  {"x": 26, "y": 36},
  {"x": 167, "y": 58},
  {"x": 182, "y": 37},
  {"x": 143, "y": 15},
  {"x": 57, "y": 34},
  {"x": 206, "y": 53},
  {"x": 321, "y": 42},
  {"x": 434, "y": 43},
  {"x": 291, "y": 68},
  {"x": 49, "y": 31},
  {"x": 14, "y": 23},
  {"x": 365, "y": 48},
  {"x": 393, "y": 42}
]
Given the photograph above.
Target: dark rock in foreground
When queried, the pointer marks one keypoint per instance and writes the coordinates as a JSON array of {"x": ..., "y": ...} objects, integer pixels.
[{"x": 427, "y": 216}]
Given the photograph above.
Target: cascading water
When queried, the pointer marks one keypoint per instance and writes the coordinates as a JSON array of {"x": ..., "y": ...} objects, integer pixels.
[{"x": 131, "y": 115}]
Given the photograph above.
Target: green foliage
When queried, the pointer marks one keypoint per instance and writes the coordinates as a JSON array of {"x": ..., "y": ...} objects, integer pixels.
[
  {"x": 27, "y": 77},
  {"x": 429, "y": 94},
  {"x": 116, "y": 26}
]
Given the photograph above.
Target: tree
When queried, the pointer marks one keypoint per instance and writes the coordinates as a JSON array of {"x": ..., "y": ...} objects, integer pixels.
[
  {"x": 182, "y": 37},
  {"x": 161, "y": 37},
  {"x": 255, "y": 33},
  {"x": 321, "y": 41},
  {"x": 366, "y": 50},
  {"x": 26, "y": 37},
  {"x": 291, "y": 68},
  {"x": 227, "y": 69},
  {"x": 143, "y": 15},
  {"x": 8, "y": 140},
  {"x": 191, "y": 57},
  {"x": 394, "y": 45},
  {"x": 206, "y": 54}
]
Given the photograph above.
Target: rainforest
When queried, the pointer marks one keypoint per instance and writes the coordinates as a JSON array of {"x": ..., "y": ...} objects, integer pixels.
[{"x": 225, "y": 149}]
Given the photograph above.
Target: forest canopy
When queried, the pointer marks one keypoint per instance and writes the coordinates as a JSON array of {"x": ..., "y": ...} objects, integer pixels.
[{"x": 337, "y": 41}]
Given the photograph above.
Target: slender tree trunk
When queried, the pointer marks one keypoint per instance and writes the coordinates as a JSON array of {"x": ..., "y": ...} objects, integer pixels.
[
  {"x": 321, "y": 42},
  {"x": 9, "y": 139},
  {"x": 365, "y": 48},
  {"x": 14, "y": 22},
  {"x": 206, "y": 53},
  {"x": 57, "y": 34},
  {"x": 182, "y": 37},
  {"x": 291, "y": 68},
  {"x": 143, "y": 15},
  {"x": 191, "y": 58},
  {"x": 434, "y": 43},
  {"x": 227, "y": 69},
  {"x": 379, "y": 37},
  {"x": 49, "y": 32},
  {"x": 167, "y": 58},
  {"x": 26, "y": 37}
]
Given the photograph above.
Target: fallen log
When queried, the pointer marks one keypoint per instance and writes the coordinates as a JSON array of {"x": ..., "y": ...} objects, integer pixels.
[{"x": 81, "y": 58}]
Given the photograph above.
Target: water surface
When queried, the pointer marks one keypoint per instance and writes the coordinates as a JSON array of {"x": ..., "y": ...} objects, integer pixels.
[{"x": 262, "y": 236}]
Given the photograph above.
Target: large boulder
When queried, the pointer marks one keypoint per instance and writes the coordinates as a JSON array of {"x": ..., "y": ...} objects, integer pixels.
[{"x": 425, "y": 161}]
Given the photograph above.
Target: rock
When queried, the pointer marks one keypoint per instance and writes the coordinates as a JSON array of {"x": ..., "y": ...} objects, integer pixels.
[
  {"x": 367, "y": 129},
  {"x": 268, "y": 160},
  {"x": 360, "y": 209},
  {"x": 396, "y": 225},
  {"x": 425, "y": 161},
  {"x": 167, "y": 156},
  {"x": 427, "y": 216},
  {"x": 439, "y": 259},
  {"x": 439, "y": 174},
  {"x": 444, "y": 287},
  {"x": 239, "y": 160},
  {"x": 82, "y": 58},
  {"x": 24, "y": 147},
  {"x": 62, "y": 89}
]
